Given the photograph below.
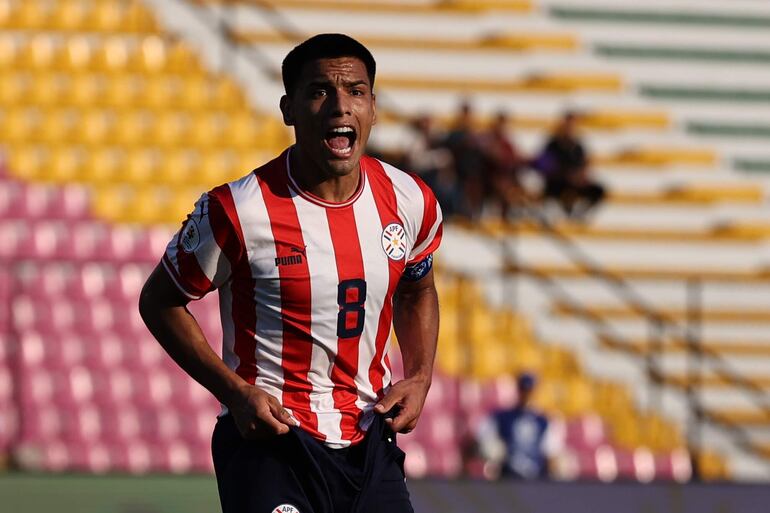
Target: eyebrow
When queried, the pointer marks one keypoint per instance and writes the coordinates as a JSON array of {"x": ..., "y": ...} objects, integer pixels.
[{"x": 354, "y": 83}]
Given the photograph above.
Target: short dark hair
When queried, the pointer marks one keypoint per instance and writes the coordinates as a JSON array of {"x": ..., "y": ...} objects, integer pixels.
[{"x": 324, "y": 46}]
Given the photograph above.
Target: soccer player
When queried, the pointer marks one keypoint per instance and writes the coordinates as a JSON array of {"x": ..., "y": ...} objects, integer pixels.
[{"x": 315, "y": 255}]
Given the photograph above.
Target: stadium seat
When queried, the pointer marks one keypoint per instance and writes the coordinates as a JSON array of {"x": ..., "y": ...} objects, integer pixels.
[{"x": 131, "y": 456}]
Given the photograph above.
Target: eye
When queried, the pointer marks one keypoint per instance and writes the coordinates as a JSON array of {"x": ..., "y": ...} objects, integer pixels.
[
  {"x": 318, "y": 93},
  {"x": 358, "y": 92}
]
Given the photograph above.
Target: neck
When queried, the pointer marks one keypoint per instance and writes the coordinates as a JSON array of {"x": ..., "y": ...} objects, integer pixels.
[{"x": 313, "y": 179}]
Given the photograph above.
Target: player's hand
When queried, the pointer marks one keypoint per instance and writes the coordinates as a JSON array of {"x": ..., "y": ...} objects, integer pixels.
[
  {"x": 259, "y": 415},
  {"x": 408, "y": 396}
]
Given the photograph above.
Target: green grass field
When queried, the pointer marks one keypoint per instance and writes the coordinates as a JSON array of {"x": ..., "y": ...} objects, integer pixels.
[
  {"x": 63, "y": 493},
  {"x": 30, "y": 493}
]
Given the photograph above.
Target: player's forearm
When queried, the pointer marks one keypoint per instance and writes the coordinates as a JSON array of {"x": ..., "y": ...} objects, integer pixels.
[
  {"x": 179, "y": 334},
  {"x": 415, "y": 320}
]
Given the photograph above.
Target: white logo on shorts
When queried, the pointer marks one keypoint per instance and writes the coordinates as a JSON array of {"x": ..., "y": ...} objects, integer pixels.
[
  {"x": 285, "y": 508},
  {"x": 190, "y": 236},
  {"x": 394, "y": 241}
]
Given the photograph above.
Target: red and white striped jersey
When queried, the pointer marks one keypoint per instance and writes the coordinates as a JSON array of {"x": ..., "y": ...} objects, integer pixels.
[{"x": 306, "y": 286}]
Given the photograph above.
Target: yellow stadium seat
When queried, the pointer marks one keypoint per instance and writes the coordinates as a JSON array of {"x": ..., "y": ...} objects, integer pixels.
[
  {"x": 86, "y": 91},
  {"x": 98, "y": 127},
  {"x": 228, "y": 94},
  {"x": 33, "y": 15},
  {"x": 527, "y": 358},
  {"x": 546, "y": 397},
  {"x": 577, "y": 397},
  {"x": 10, "y": 52},
  {"x": 111, "y": 201},
  {"x": 216, "y": 168},
  {"x": 8, "y": 14},
  {"x": 40, "y": 53},
  {"x": 558, "y": 361},
  {"x": 196, "y": 93},
  {"x": 125, "y": 91},
  {"x": 152, "y": 56},
  {"x": 711, "y": 466},
  {"x": 58, "y": 127},
  {"x": 14, "y": 88},
  {"x": 181, "y": 59},
  {"x": 209, "y": 131},
  {"x": 72, "y": 14},
  {"x": 244, "y": 131},
  {"x": 79, "y": 54},
  {"x": 47, "y": 89},
  {"x": 181, "y": 204},
  {"x": 172, "y": 129},
  {"x": 134, "y": 128},
  {"x": 144, "y": 205},
  {"x": 610, "y": 397},
  {"x": 252, "y": 159},
  {"x": 22, "y": 125},
  {"x": 179, "y": 166},
  {"x": 141, "y": 166},
  {"x": 114, "y": 55},
  {"x": 490, "y": 362},
  {"x": 67, "y": 162},
  {"x": 104, "y": 166},
  {"x": 163, "y": 92},
  {"x": 136, "y": 18},
  {"x": 450, "y": 359},
  {"x": 108, "y": 16},
  {"x": 28, "y": 162}
]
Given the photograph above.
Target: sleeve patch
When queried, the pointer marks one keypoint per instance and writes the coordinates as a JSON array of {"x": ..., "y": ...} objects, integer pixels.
[
  {"x": 190, "y": 238},
  {"x": 418, "y": 270}
]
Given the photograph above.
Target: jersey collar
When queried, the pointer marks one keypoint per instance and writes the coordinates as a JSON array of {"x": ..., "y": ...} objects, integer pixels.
[{"x": 319, "y": 201}]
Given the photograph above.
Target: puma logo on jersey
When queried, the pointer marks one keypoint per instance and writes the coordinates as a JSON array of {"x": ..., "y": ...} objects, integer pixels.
[{"x": 294, "y": 259}]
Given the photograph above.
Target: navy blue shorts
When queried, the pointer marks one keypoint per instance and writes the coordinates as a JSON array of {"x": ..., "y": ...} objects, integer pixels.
[{"x": 294, "y": 473}]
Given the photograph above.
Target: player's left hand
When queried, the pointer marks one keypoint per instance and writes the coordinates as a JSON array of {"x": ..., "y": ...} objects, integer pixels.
[{"x": 408, "y": 396}]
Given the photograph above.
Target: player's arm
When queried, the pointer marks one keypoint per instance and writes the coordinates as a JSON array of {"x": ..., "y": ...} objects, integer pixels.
[
  {"x": 163, "y": 309},
  {"x": 415, "y": 320}
]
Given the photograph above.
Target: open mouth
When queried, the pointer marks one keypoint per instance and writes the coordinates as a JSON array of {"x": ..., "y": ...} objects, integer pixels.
[{"x": 340, "y": 141}]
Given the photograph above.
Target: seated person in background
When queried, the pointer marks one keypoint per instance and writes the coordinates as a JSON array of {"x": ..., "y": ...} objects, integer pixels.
[
  {"x": 433, "y": 163},
  {"x": 564, "y": 165},
  {"x": 464, "y": 143},
  {"x": 505, "y": 164},
  {"x": 519, "y": 441}
]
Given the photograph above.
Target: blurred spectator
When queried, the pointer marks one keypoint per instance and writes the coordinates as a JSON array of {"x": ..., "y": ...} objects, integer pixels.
[
  {"x": 504, "y": 166},
  {"x": 565, "y": 167},
  {"x": 519, "y": 441},
  {"x": 464, "y": 142},
  {"x": 433, "y": 163}
]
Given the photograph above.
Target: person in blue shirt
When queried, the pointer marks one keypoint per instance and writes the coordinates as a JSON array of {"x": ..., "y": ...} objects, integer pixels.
[{"x": 517, "y": 442}]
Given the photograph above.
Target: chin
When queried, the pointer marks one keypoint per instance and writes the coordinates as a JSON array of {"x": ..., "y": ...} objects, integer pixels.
[{"x": 342, "y": 167}]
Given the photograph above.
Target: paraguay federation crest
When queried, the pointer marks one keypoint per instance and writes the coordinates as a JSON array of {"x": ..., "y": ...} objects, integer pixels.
[
  {"x": 285, "y": 508},
  {"x": 394, "y": 241},
  {"x": 190, "y": 237}
]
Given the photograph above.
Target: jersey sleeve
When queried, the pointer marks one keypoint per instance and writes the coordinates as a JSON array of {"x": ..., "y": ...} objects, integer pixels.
[
  {"x": 201, "y": 255},
  {"x": 429, "y": 234}
]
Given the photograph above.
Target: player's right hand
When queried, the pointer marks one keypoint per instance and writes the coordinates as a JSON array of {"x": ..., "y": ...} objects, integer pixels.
[{"x": 258, "y": 415}]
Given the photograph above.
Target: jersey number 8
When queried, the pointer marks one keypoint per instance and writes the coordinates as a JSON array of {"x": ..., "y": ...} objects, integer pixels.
[{"x": 351, "y": 295}]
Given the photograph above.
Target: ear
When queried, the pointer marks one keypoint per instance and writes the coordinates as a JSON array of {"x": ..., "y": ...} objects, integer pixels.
[
  {"x": 374, "y": 108},
  {"x": 287, "y": 109}
]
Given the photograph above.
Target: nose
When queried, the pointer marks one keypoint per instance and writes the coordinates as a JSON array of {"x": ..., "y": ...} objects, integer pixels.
[{"x": 339, "y": 103}]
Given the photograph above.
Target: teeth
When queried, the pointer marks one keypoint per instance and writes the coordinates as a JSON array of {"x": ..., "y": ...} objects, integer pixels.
[{"x": 342, "y": 130}]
